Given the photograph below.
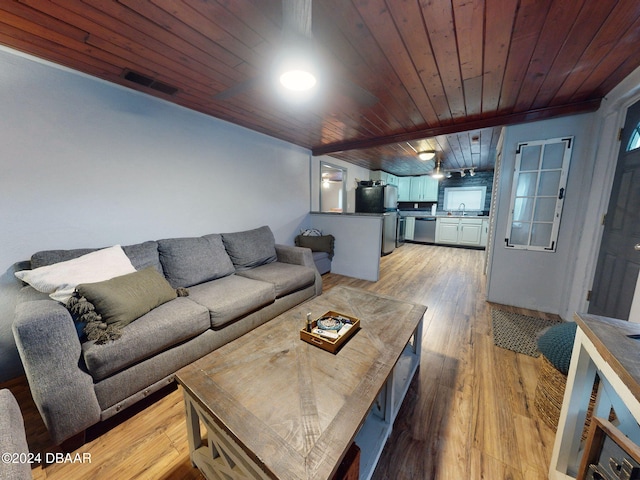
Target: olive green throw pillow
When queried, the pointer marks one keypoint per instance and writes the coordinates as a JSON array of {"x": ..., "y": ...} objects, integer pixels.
[{"x": 123, "y": 299}]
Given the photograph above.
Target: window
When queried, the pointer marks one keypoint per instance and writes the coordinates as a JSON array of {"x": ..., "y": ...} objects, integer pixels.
[
  {"x": 537, "y": 194},
  {"x": 469, "y": 198},
  {"x": 634, "y": 141}
]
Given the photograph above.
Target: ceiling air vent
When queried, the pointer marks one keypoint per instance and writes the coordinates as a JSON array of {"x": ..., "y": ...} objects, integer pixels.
[{"x": 149, "y": 82}]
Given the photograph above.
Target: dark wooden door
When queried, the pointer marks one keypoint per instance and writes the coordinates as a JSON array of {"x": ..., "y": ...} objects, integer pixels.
[{"x": 619, "y": 258}]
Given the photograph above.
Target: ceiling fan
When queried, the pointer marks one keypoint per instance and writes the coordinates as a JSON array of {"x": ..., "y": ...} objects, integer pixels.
[{"x": 297, "y": 42}]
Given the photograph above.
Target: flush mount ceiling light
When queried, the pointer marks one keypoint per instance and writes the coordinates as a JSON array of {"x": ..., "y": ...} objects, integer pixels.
[
  {"x": 295, "y": 65},
  {"x": 426, "y": 155},
  {"x": 298, "y": 80},
  {"x": 437, "y": 173},
  {"x": 295, "y": 68}
]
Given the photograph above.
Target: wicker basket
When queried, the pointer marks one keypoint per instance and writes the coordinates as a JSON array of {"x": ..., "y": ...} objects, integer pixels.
[{"x": 550, "y": 393}]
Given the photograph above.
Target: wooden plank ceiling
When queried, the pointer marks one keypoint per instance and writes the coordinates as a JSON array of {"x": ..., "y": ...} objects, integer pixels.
[{"x": 446, "y": 73}]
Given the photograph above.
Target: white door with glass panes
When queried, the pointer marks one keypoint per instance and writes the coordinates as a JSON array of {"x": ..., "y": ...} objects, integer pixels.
[{"x": 538, "y": 193}]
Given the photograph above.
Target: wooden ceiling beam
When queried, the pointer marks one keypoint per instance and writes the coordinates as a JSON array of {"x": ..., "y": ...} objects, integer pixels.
[{"x": 496, "y": 121}]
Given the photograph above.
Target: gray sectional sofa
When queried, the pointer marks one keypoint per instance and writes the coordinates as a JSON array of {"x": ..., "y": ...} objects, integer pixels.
[
  {"x": 13, "y": 440},
  {"x": 235, "y": 282}
]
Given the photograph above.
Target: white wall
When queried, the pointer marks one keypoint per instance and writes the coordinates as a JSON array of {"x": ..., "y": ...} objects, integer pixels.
[
  {"x": 532, "y": 279},
  {"x": 90, "y": 164}
]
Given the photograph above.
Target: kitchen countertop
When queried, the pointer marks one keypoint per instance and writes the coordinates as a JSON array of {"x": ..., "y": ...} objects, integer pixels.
[
  {"x": 438, "y": 215},
  {"x": 352, "y": 214}
]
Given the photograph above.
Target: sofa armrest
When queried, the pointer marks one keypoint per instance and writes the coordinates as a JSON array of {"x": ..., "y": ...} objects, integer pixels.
[
  {"x": 299, "y": 256},
  {"x": 50, "y": 350},
  {"x": 13, "y": 439}
]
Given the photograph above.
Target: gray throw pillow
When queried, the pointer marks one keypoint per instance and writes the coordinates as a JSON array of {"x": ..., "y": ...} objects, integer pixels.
[
  {"x": 250, "y": 248},
  {"x": 142, "y": 255},
  {"x": 322, "y": 243},
  {"x": 127, "y": 297},
  {"x": 192, "y": 260}
]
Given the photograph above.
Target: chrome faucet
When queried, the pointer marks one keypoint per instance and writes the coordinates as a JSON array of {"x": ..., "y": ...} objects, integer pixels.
[{"x": 461, "y": 207}]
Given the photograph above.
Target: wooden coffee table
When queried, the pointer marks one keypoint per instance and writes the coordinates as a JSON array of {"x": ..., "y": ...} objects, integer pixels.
[{"x": 269, "y": 405}]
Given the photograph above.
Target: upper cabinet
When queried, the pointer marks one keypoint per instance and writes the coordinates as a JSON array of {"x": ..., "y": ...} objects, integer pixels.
[
  {"x": 404, "y": 189},
  {"x": 418, "y": 189},
  {"x": 386, "y": 178}
]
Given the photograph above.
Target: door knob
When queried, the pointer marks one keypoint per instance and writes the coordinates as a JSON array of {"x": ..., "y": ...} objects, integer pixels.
[{"x": 637, "y": 247}]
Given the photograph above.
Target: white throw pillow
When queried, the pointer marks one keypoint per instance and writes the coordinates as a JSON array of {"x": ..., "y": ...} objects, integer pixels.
[{"x": 60, "y": 279}]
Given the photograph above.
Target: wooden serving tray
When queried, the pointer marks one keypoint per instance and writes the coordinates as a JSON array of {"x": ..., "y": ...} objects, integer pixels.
[{"x": 329, "y": 344}]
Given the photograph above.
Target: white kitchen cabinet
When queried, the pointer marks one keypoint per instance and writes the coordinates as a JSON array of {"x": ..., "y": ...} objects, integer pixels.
[
  {"x": 409, "y": 228},
  {"x": 470, "y": 232},
  {"x": 485, "y": 232},
  {"x": 404, "y": 189},
  {"x": 447, "y": 230},
  {"x": 386, "y": 178},
  {"x": 415, "y": 190},
  {"x": 460, "y": 231},
  {"x": 422, "y": 189},
  {"x": 430, "y": 189}
]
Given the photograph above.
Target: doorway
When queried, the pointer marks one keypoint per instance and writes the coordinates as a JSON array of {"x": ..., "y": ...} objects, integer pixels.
[
  {"x": 619, "y": 257},
  {"x": 333, "y": 190}
]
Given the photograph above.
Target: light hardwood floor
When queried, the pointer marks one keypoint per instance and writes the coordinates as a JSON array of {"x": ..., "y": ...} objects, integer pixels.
[{"x": 468, "y": 415}]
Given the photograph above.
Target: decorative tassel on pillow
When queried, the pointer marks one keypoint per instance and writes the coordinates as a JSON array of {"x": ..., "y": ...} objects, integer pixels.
[
  {"x": 182, "y": 292},
  {"x": 95, "y": 329}
]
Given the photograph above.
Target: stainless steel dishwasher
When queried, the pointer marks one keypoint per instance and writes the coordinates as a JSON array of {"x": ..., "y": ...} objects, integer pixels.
[{"x": 425, "y": 230}]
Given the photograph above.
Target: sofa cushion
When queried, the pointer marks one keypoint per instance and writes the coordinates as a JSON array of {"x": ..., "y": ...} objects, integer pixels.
[
  {"x": 322, "y": 262},
  {"x": 60, "y": 279},
  {"x": 142, "y": 255},
  {"x": 286, "y": 277},
  {"x": 232, "y": 297},
  {"x": 127, "y": 297},
  {"x": 250, "y": 248},
  {"x": 163, "y": 327},
  {"x": 192, "y": 260}
]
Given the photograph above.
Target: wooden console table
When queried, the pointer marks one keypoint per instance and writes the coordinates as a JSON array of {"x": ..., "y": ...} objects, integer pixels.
[{"x": 603, "y": 347}]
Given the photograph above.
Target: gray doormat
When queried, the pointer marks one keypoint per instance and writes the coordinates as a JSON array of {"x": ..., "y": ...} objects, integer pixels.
[{"x": 518, "y": 333}]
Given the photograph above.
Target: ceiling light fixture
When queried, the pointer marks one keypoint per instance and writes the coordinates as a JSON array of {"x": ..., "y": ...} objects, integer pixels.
[
  {"x": 298, "y": 80},
  {"x": 297, "y": 62},
  {"x": 426, "y": 155},
  {"x": 437, "y": 173}
]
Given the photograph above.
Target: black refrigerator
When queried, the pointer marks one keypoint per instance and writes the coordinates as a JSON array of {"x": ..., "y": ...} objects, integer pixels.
[
  {"x": 376, "y": 199},
  {"x": 382, "y": 199}
]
